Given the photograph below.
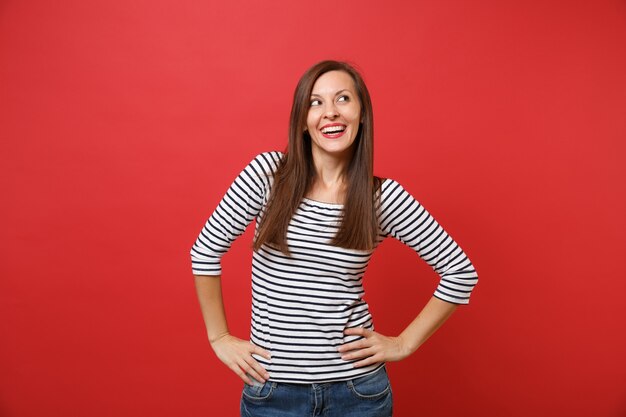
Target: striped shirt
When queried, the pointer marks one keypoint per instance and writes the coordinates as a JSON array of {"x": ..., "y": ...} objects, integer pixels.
[{"x": 302, "y": 304}]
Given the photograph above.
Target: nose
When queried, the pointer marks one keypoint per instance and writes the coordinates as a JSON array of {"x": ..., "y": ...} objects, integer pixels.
[{"x": 330, "y": 110}]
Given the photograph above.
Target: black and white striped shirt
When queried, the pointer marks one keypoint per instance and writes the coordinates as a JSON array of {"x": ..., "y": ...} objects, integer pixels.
[{"x": 302, "y": 304}]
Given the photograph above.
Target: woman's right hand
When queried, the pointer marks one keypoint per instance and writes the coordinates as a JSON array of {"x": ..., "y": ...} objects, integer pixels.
[{"x": 237, "y": 355}]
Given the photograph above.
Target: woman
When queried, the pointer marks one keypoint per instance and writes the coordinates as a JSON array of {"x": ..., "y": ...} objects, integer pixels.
[{"x": 320, "y": 214}]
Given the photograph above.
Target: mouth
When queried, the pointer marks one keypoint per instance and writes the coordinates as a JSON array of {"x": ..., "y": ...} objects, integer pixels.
[{"x": 333, "y": 131}]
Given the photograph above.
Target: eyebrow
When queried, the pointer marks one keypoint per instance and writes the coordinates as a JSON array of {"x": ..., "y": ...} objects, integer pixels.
[{"x": 338, "y": 92}]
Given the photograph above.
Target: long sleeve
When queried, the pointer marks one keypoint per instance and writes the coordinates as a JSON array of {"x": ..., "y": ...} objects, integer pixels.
[
  {"x": 240, "y": 205},
  {"x": 404, "y": 218}
]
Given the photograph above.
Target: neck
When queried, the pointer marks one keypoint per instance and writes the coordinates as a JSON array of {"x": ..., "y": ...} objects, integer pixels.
[{"x": 330, "y": 170}]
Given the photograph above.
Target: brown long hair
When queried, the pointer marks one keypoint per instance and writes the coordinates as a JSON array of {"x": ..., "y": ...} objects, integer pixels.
[{"x": 295, "y": 174}]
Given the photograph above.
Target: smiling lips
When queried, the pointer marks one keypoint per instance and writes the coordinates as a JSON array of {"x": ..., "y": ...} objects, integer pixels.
[{"x": 333, "y": 130}]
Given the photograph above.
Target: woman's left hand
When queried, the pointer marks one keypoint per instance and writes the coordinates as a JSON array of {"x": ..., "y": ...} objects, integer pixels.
[{"x": 375, "y": 347}]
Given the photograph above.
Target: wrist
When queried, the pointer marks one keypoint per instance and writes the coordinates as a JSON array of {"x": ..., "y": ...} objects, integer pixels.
[
  {"x": 406, "y": 346},
  {"x": 214, "y": 339}
]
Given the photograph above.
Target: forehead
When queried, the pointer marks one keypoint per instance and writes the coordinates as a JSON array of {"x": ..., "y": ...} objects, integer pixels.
[{"x": 332, "y": 81}]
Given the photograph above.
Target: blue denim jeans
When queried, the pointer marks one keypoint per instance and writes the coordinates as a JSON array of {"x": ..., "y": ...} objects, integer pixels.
[{"x": 366, "y": 396}]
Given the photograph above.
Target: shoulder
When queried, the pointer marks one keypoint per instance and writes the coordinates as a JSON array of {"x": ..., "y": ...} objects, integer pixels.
[
  {"x": 265, "y": 163},
  {"x": 268, "y": 158},
  {"x": 390, "y": 186},
  {"x": 393, "y": 193}
]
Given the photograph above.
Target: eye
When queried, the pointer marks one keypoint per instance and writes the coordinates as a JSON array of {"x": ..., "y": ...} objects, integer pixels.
[
  {"x": 343, "y": 98},
  {"x": 315, "y": 102}
]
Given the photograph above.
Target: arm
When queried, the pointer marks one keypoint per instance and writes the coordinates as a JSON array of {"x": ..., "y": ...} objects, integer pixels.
[
  {"x": 379, "y": 348},
  {"x": 239, "y": 206},
  {"x": 408, "y": 221},
  {"x": 233, "y": 352}
]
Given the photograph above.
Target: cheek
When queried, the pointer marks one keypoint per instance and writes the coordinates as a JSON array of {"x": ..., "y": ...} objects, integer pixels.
[
  {"x": 311, "y": 121},
  {"x": 353, "y": 114}
]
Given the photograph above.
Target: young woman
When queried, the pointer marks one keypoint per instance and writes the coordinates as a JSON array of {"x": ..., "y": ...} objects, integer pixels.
[{"x": 320, "y": 213}]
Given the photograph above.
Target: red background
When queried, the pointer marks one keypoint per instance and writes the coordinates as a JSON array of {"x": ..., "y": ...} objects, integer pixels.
[{"x": 123, "y": 123}]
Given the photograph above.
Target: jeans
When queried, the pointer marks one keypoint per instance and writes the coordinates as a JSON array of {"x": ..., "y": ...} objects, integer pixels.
[{"x": 366, "y": 396}]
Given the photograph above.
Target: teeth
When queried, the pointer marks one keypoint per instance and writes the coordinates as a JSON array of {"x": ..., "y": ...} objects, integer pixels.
[{"x": 333, "y": 129}]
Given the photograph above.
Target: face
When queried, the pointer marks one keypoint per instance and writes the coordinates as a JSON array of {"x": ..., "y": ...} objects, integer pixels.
[{"x": 335, "y": 113}]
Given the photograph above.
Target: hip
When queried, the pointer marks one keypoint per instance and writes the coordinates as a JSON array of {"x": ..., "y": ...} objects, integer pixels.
[{"x": 364, "y": 396}]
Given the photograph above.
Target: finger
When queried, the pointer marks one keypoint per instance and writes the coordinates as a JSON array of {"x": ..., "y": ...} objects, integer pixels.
[
  {"x": 357, "y": 354},
  {"x": 359, "y": 331},
  {"x": 241, "y": 374},
  {"x": 367, "y": 361},
  {"x": 262, "y": 352},
  {"x": 258, "y": 377},
  {"x": 256, "y": 369},
  {"x": 251, "y": 372},
  {"x": 359, "y": 344}
]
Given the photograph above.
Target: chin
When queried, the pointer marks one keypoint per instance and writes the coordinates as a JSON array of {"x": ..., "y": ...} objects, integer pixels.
[{"x": 338, "y": 149}]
